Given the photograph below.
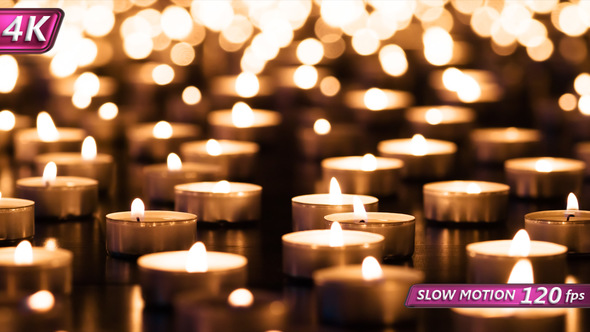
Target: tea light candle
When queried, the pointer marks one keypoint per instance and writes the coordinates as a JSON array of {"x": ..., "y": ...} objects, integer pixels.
[
  {"x": 466, "y": 86},
  {"x": 495, "y": 145},
  {"x": 107, "y": 124},
  {"x": 160, "y": 179},
  {"x": 9, "y": 123},
  {"x": 237, "y": 159},
  {"x": 397, "y": 228},
  {"x": 307, "y": 251},
  {"x": 244, "y": 123},
  {"x": 241, "y": 310},
  {"x": 492, "y": 261},
  {"x": 88, "y": 163},
  {"x": 226, "y": 89},
  {"x": 423, "y": 158},
  {"x": 465, "y": 201},
  {"x": 445, "y": 122},
  {"x": 220, "y": 201},
  {"x": 59, "y": 197},
  {"x": 570, "y": 227},
  {"x": 154, "y": 141},
  {"x": 139, "y": 232},
  {"x": 328, "y": 140},
  {"x": 367, "y": 294},
  {"x": 378, "y": 106},
  {"x": 31, "y": 142},
  {"x": 364, "y": 175},
  {"x": 308, "y": 211},
  {"x": 165, "y": 275},
  {"x": 544, "y": 177},
  {"x": 25, "y": 269},
  {"x": 17, "y": 219}
]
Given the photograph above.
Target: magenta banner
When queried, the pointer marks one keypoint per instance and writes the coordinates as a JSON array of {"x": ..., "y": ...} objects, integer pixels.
[
  {"x": 29, "y": 30},
  {"x": 499, "y": 295}
]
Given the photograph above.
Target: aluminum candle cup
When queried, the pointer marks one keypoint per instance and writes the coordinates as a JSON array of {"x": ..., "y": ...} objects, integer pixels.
[
  {"x": 341, "y": 140},
  {"x": 490, "y": 262},
  {"x": 398, "y": 229},
  {"x": 28, "y": 145},
  {"x": 212, "y": 203},
  {"x": 544, "y": 177},
  {"x": 423, "y": 158},
  {"x": 143, "y": 145},
  {"x": 509, "y": 319},
  {"x": 17, "y": 219},
  {"x": 465, "y": 201},
  {"x": 346, "y": 298},
  {"x": 163, "y": 275},
  {"x": 66, "y": 197},
  {"x": 263, "y": 127},
  {"x": 156, "y": 231},
  {"x": 236, "y": 159},
  {"x": 444, "y": 122},
  {"x": 555, "y": 226},
  {"x": 101, "y": 168},
  {"x": 308, "y": 211},
  {"x": 379, "y": 176},
  {"x": 378, "y": 106},
  {"x": 495, "y": 145},
  {"x": 49, "y": 270},
  {"x": 307, "y": 251},
  {"x": 160, "y": 181}
]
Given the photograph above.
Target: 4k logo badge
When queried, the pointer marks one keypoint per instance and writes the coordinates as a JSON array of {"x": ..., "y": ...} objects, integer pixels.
[{"x": 29, "y": 30}]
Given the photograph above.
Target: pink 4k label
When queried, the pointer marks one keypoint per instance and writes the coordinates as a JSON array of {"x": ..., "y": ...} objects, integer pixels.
[{"x": 25, "y": 30}]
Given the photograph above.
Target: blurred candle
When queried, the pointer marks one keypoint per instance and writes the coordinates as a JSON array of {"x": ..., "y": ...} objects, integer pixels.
[
  {"x": 17, "y": 219},
  {"x": 325, "y": 139},
  {"x": 245, "y": 124},
  {"x": 495, "y": 145},
  {"x": 381, "y": 107},
  {"x": 154, "y": 141},
  {"x": 444, "y": 122}
]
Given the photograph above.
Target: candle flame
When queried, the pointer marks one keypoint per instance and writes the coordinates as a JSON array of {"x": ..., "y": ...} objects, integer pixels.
[
  {"x": 520, "y": 245},
  {"x": 322, "y": 127},
  {"x": 23, "y": 254},
  {"x": 336, "y": 235},
  {"x": 452, "y": 78},
  {"x": 240, "y": 297},
  {"x": 162, "y": 130},
  {"x": 213, "y": 147},
  {"x": 544, "y": 165},
  {"x": 108, "y": 111},
  {"x": 222, "y": 187},
  {"x": 89, "y": 148},
  {"x": 368, "y": 163},
  {"x": 511, "y": 133},
  {"x": 247, "y": 85},
  {"x": 419, "y": 145},
  {"x": 173, "y": 162},
  {"x": 371, "y": 269},
  {"x": 470, "y": 90},
  {"x": 434, "y": 116},
  {"x": 41, "y": 301},
  {"x": 196, "y": 260},
  {"x": 359, "y": 209},
  {"x": 51, "y": 244},
  {"x": 49, "y": 173},
  {"x": 242, "y": 115},
  {"x": 335, "y": 196},
  {"x": 375, "y": 99},
  {"x": 137, "y": 209},
  {"x": 9, "y": 70},
  {"x": 0, "y": 195},
  {"x": 473, "y": 188},
  {"x": 572, "y": 202},
  {"x": 7, "y": 120},
  {"x": 522, "y": 273},
  {"x": 46, "y": 129}
]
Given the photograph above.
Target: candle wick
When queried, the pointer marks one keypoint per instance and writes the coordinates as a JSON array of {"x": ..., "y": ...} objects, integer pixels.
[
  {"x": 362, "y": 221},
  {"x": 138, "y": 219},
  {"x": 569, "y": 216}
]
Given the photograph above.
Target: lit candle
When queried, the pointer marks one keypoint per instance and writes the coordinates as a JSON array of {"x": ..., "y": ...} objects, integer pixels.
[
  {"x": 17, "y": 219},
  {"x": 491, "y": 261},
  {"x": 397, "y": 228},
  {"x": 237, "y": 159},
  {"x": 495, "y": 145},
  {"x": 378, "y": 106},
  {"x": 367, "y": 294},
  {"x": 160, "y": 179},
  {"x": 570, "y": 227},
  {"x": 368, "y": 174},
  {"x": 445, "y": 122},
  {"x": 59, "y": 197},
  {"x": 154, "y": 141},
  {"x": 25, "y": 269},
  {"x": 165, "y": 275},
  {"x": 325, "y": 139},
  {"x": 226, "y": 89},
  {"x": 139, "y": 232},
  {"x": 31, "y": 142},
  {"x": 423, "y": 158},
  {"x": 9, "y": 123},
  {"x": 466, "y": 86},
  {"x": 308, "y": 211},
  {"x": 107, "y": 124},
  {"x": 544, "y": 177},
  {"x": 88, "y": 164},
  {"x": 244, "y": 123},
  {"x": 220, "y": 201},
  {"x": 465, "y": 201},
  {"x": 307, "y": 251}
]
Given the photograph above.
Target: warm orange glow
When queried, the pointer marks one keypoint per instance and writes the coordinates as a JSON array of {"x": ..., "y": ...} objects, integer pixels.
[
  {"x": 522, "y": 273},
  {"x": 89, "y": 148},
  {"x": 305, "y": 77},
  {"x": 23, "y": 253},
  {"x": 9, "y": 70},
  {"x": 240, "y": 297},
  {"x": 191, "y": 95},
  {"x": 572, "y": 202},
  {"x": 162, "y": 130},
  {"x": 108, "y": 111},
  {"x": 213, "y": 147},
  {"x": 41, "y": 301},
  {"x": 521, "y": 244},
  {"x": 247, "y": 85},
  {"x": 375, "y": 99},
  {"x": 196, "y": 259},
  {"x": 368, "y": 163},
  {"x": 322, "y": 127},
  {"x": 359, "y": 211},
  {"x": 336, "y": 235},
  {"x": 46, "y": 129},
  {"x": 173, "y": 162},
  {"x": 49, "y": 173},
  {"x": 222, "y": 187},
  {"x": 242, "y": 115},
  {"x": 335, "y": 196},
  {"x": 434, "y": 116},
  {"x": 371, "y": 269},
  {"x": 473, "y": 188},
  {"x": 544, "y": 165},
  {"x": 7, "y": 120}
]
